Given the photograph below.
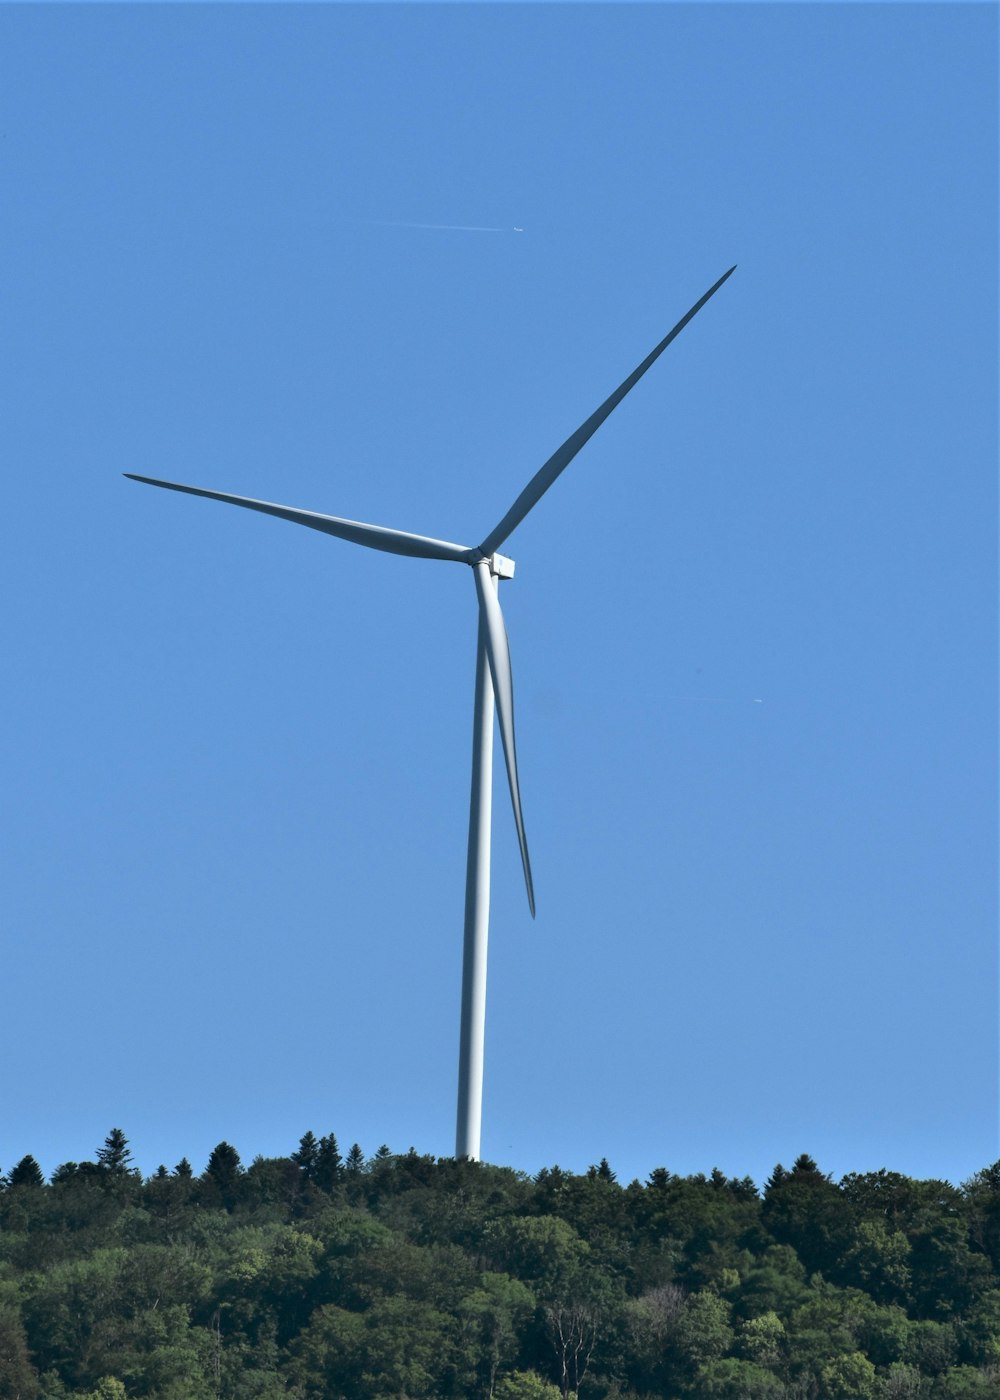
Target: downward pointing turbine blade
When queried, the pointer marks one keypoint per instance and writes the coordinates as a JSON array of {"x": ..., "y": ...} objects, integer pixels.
[
  {"x": 373, "y": 536},
  {"x": 498, "y": 651},
  {"x": 561, "y": 459}
]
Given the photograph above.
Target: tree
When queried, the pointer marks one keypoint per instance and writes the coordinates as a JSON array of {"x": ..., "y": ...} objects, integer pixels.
[
  {"x": 573, "y": 1328},
  {"x": 931, "y": 1346},
  {"x": 850, "y": 1377},
  {"x": 184, "y": 1169},
  {"x": 762, "y": 1339},
  {"x": 703, "y": 1332},
  {"x": 329, "y": 1165},
  {"x": 731, "y": 1379},
  {"x": 26, "y": 1173},
  {"x": 305, "y": 1158},
  {"x": 879, "y": 1261},
  {"x": 18, "y": 1378},
  {"x": 967, "y": 1383},
  {"x": 108, "y": 1388},
  {"x": 493, "y": 1316},
  {"x": 902, "y": 1382},
  {"x": 223, "y": 1173},
  {"x": 805, "y": 1209},
  {"x": 544, "y": 1252},
  {"x": 526, "y": 1385},
  {"x": 355, "y": 1159},
  {"x": 115, "y": 1155}
]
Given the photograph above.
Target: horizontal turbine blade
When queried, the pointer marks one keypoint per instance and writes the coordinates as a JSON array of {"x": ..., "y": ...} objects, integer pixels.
[
  {"x": 498, "y": 652},
  {"x": 373, "y": 536},
  {"x": 561, "y": 459}
]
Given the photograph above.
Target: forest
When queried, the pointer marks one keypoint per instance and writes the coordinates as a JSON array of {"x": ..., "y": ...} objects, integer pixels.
[{"x": 322, "y": 1276}]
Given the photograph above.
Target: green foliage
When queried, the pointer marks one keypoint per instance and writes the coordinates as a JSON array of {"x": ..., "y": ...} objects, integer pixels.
[
  {"x": 18, "y": 1377},
  {"x": 107, "y": 1388},
  {"x": 526, "y": 1385},
  {"x": 733, "y": 1379},
  {"x": 309, "y": 1277},
  {"x": 850, "y": 1377},
  {"x": 763, "y": 1339},
  {"x": 222, "y": 1175},
  {"x": 116, "y": 1154},
  {"x": 703, "y": 1333},
  {"x": 26, "y": 1173}
]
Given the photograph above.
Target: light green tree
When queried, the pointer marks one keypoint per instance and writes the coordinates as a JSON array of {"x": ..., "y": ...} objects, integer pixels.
[
  {"x": 850, "y": 1377},
  {"x": 107, "y": 1388},
  {"x": 526, "y": 1385},
  {"x": 762, "y": 1339}
]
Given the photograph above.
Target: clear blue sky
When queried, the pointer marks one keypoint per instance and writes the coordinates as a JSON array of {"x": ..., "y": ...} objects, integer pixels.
[{"x": 236, "y": 752}]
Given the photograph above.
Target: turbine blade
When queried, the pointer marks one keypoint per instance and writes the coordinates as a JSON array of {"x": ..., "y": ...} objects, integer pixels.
[
  {"x": 561, "y": 459},
  {"x": 498, "y": 652},
  {"x": 373, "y": 536}
]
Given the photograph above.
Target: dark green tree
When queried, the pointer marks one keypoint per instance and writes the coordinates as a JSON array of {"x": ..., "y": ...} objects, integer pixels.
[
  {"x": 115, "y": 1155},
  {"x": 18, "y": 1378},
  {"x": 305, "y": 1158},
  {"x": 26, "y": 1173},
  {"x": 222, "y": 1175}
]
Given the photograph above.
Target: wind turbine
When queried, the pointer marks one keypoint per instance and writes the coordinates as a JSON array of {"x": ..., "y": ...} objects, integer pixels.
[{"x": 492, "y": 664}]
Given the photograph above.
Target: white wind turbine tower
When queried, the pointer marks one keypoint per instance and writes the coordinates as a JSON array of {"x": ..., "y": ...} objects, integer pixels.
[{"x": 492, "y": 662}]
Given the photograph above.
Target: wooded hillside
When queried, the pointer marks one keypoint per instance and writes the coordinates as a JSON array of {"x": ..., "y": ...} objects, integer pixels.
[{"x": 322, "y": 1277}]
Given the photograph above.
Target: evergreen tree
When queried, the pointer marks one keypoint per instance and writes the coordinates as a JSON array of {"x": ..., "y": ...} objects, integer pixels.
[
  {"x": 776, "y": 1179},
  {"x": 305, "y": 1158},
  {"x": 115, "y": 1155},
  {"x": 355, "y": 1159},
  {"x": 329, "y": 1164},
  {"x": 184, "y": 1169},
  {"x": 223, "y": 1172},
  {"x": 27, "y": 1173}
]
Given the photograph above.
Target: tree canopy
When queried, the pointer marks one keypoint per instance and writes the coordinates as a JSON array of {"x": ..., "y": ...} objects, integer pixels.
[{"x": 405, "y": 1277}]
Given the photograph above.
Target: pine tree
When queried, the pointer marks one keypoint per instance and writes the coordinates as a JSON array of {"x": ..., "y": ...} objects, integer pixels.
[
  {"x": 329, "y": 1166},
  {"x": 184, "y": 1169},
  {"x": 115, "y": 1155},
  {"x": 805, "y": 1166},
  {"x": 355, "y": 1159},
  {"x": 223, "y": 1171},
  {"x": 777, "y": 1178},
  {"x": 306, "y": 1156},
  {"x": 27, "y": 1173}
]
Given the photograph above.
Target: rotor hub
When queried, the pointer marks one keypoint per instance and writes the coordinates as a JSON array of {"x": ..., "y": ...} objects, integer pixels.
[{"x": 501, "y": 566}]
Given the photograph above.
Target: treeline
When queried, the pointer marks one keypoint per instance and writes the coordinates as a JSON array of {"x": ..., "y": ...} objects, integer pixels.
[{"x": 319, "y": 1276}]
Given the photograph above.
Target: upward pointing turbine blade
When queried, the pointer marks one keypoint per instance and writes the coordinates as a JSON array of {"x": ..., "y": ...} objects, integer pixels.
[
  {"x": 561, "y": 459},
  {"x": 373, "y": 536},
  {"x": 498, "y": 652}
]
